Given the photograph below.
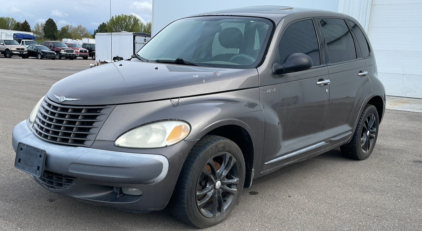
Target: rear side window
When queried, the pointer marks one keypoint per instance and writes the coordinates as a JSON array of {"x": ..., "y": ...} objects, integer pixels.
[
  {"x": 299, "y": 37},
  {"x": 339, "y": 40},
  {"x": 363, "y": 43}
]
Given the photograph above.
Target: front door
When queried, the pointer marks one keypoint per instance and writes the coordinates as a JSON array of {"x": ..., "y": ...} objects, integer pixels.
[{"x": 295, "y": 106}]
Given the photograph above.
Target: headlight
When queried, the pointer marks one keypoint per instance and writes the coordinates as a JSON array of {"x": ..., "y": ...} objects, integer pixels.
[
  {"x": 155, "y": 135},
  {"x": 62, "y": 51},
  {"x": 12, "y": 48},
  {"x": 34, "y": 111}
]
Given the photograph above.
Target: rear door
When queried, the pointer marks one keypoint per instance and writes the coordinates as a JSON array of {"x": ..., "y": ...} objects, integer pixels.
[
  {"x": 348, "y": 78},
  {"x": 295, "y": 105}
]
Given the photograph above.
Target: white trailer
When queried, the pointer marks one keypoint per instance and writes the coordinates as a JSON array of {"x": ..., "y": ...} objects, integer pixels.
[
  {"x": 88, "y": 40},
  {"x": 122, "y": 44},
  {"x": 8, "y": 34}
]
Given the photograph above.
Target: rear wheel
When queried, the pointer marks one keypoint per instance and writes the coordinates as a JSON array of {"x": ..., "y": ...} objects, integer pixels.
[
  {"x": 365, "y": 136},
  {"x": 40, "y": 56},
  {"x": 210, "y": 182},
  {"x": 58, "y": 56},
  {"x": 85, "y": 57}
]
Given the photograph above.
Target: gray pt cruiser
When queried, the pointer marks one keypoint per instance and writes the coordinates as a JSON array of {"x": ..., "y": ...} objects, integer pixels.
[{"x": 211, "y": 103}]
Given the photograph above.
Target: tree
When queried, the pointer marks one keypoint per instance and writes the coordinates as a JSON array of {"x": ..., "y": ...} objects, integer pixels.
[
  {"x": 50, "y": 29},
  {"x": 65, "y": 32},
  {"x": 25, "y": 26},
  {"x": 80, "y": 32},
  {"x": 17, "y": 26},
  {"x": 7, "y": 23},
  {"x": 123, "y": 22},
  {"x": 39, "y": 30},
  {"x": 147, "y": 28},
  {"x": 101, "y": 28}
]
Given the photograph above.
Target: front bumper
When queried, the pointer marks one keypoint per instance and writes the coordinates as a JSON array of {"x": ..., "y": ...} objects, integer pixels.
[
  {"x": 68, "y": 55},
  {"x": 100, "y": 174},
  {"x": 19, "y": 52}
]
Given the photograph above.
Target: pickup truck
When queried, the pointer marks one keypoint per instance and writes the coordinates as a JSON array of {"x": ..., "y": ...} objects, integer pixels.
[{"x": 61, "y": 49}]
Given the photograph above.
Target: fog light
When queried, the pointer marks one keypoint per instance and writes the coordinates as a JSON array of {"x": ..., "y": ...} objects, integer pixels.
[{"x": 132, "y": 191}]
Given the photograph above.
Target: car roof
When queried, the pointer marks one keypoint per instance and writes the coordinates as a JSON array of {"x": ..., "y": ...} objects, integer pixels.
[{"x": 275, "y": 13}]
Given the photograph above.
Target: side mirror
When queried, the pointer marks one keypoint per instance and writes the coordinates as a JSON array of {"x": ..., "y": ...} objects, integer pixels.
[{"x": 293, "y": 63}]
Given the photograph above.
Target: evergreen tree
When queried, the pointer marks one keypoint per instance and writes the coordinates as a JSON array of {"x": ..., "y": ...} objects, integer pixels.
[{"x": 50, "y": 29}]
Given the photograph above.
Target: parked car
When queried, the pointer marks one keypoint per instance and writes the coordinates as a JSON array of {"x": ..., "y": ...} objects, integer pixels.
[
  {"x": 41, "y": 52},
  {"x": 26, "y": 43},
  {"x": 208, "y": 105},
  {"x": 79, "y": 51},
  {"x": 91, "y": 48},
  {"x": 61, "y": 49},
  {"x": 9, "y": 47}
]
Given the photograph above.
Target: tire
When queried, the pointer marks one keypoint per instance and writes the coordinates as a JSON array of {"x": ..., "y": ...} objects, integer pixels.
[
  {"x": 93, "y": 56},
  {"x": 215, "y": 169},
  {"x": 71, "y": 58},
  {"x": 7, "y": 54},
  {"x": 85, "y": 57},
  {"x": 40, "y": 56},
  {"x": 365, "y": 136},
  {"x": 58, "y": 56},
  {"x": 24, "y": 56}
]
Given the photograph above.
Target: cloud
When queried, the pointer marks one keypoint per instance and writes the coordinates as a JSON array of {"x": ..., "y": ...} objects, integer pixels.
[
  {"x": 14, "y": 10},
  {"x": 41, "y": 20},
  {"x": 89, "y": 2},
  {"x": 81, "y": 9},
  {"x": 139, "y": 17},
  {"x": 62, "y": 22},
  {"x": 144, "y": 7},
  {"x": 58, "y": 13}
]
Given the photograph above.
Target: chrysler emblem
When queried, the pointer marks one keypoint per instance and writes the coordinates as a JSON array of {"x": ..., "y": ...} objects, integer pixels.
[{"x": 63, "y": 98}]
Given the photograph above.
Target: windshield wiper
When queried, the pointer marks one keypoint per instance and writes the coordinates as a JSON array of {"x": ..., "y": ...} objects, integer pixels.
[
  {"x": 176, "y": 61},
  {"x": 140, "y": 58}
]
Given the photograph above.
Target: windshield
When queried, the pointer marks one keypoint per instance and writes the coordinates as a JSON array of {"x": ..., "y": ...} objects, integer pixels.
[
  {"x": 236, "y": 42},
  {"x": 75, "y": 45},
  {"x": 30, "y": 42},
  {"x": 10, "y": 42},
  {"x": 43, "y": 48},
  {"x": 58, "y": 44}
]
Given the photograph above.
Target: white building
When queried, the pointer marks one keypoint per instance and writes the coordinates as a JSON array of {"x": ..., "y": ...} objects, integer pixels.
[{"x": 394, "y": 28}]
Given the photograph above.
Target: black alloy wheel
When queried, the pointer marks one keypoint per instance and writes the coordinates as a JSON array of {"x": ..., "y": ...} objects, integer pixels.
[
  {"x": 210, "y": 183},
  {"x": 369, "y": 133},
  {"x": 365, "y": 136},
  {"x": 217, "y": 185},
  {"x": 7, "y": 54}
]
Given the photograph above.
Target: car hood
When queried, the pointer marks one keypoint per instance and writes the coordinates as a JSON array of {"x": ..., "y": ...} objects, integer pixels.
[
  {"x": 45, "y": 51},
  {"x": 135, "y": 81},
  {"x": 15, "y": 46}
]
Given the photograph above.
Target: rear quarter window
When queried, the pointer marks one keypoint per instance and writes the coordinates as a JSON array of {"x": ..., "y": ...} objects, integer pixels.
[{"x": 363, "y": 43}]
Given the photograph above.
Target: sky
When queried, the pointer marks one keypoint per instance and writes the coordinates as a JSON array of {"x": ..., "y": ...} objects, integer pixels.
[{"x": 88, "y": 13}]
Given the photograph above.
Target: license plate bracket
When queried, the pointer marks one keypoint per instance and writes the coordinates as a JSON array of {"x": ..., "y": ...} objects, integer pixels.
[{"x": 30, "y": 159}]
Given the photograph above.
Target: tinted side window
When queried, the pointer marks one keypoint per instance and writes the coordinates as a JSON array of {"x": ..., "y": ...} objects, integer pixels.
[
  {"x": 364, "y": 47},
  {"x": 299, "y": 37},
  {"x": 338, "y": 39}
]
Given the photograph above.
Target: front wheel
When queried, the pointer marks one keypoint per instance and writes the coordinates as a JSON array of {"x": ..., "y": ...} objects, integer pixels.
[
  {"x": 58, "y": 56},
  {"x": 7, "y": 54},
  {"x": 210, "y": 182},
  {"x": 365, "y": 136},
  {"x": 39, "y": 56}
]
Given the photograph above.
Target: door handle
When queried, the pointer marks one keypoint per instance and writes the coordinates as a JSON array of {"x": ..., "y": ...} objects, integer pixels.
[
  {"x": 362, "y": 73},
  {"x": 323, "y": 82}
]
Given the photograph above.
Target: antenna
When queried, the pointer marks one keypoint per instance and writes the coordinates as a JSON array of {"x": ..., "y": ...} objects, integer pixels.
[{"x": 111, "y": 35}]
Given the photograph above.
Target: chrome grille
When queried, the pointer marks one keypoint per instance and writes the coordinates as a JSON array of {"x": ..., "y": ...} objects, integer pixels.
[
  {"x": 69, "y": 51},
  {"x": 83, "y": 51},
  {"x": 20, "y": 49},
  {"x": 69, "y": 125}
]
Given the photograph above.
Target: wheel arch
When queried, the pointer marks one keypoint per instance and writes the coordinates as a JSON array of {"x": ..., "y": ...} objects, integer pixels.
[
  {"x": 379, "y": 104},
  {"x": 238, "y": 132}
]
